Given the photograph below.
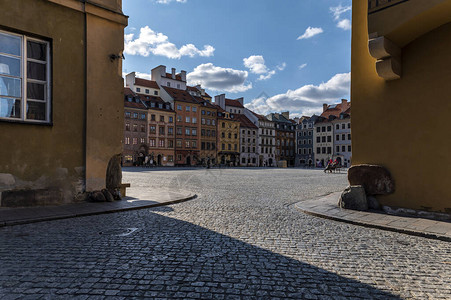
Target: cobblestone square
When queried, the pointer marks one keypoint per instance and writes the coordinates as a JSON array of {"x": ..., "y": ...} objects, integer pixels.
[{"x": 241, "y": 238}]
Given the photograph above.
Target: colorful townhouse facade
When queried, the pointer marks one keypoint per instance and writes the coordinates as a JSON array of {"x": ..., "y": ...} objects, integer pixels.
[
  {"x": 285, "y": 137},
  {"x": 228, "y": 138},
  {"x": 248, "y": 142},
  {"x": 135, "y": 129},
  {"x": 305, "y": 154}
]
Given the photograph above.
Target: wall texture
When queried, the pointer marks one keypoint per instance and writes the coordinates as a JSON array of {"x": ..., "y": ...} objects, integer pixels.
[{"x": 403, "y": 124}]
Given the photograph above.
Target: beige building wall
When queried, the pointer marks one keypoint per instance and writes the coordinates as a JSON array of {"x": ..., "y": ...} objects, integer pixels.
[
  {"x": 403, "y": 124},
  {"x": 70, "y": 154}
]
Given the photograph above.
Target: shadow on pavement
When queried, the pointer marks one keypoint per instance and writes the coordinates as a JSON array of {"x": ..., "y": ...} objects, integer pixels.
[{"x": 144, "y": 254}]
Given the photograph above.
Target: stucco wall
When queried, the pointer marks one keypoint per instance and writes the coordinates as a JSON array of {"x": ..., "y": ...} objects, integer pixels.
[
  {"x": 49, "y": 155},
  {"x": 403, "y": 124}
]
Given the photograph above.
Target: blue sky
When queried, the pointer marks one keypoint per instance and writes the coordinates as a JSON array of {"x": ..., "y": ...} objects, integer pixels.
[{"x": 278, "y": 54}]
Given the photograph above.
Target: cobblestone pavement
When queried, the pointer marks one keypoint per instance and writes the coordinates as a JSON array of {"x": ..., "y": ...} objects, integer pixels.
[{"x": 240, "y": 239}]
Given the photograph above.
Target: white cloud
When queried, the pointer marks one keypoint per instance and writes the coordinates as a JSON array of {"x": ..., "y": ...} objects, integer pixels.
[
  {"x": 310, "y": 32},
  {"x": 302, "y": 66},
  {"x": 344, "y": 24},
  {"x": 256, "y": 64},
  {"x": 281, "y": 67},
  {"x": 337, "y": 11},
  {"x": 169, "y": 1},
  {"x": 151, "y": 42},
  {"x": 219, "y": 79},
  {"x": 305, "y": 100}
]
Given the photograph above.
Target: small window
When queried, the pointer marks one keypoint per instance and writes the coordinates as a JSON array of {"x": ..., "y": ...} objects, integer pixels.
[
  {"x": 147, "y": 91},
  {"x": 194, "y": 109},
  {"x": 188, "y": 108},
  {"x": 168, "y": 84},
  {"x": 155, "y": 93},
  {"x": 138, "y": 89},
  {"x": 24, "y": 66},
  {"x": 179, "y": 107}
]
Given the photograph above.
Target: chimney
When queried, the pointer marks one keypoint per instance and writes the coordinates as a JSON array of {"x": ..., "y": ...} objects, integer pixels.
[
  {"x": 183, "y": 75},
  {"x": 241, "y": 100},
  {"x": 286, "y": 114},
  {"x": 325, "y": 107},
  {"x": 220, "y": 101},
  {"x": 343, "y": 104},
  {"x": 173, "y": 73}
]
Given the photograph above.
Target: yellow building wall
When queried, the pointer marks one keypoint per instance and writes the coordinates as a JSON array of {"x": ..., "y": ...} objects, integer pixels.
[
  {"x": 403, "y": 124},
  {"x": 71, "y": 154},
  {"x": 105, "y": 104},
  {"x": 40, "y": 156}
]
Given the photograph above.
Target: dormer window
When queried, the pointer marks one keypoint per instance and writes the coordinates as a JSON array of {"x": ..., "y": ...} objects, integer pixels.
[
  {"x": 168, "y": 84},
  {"x": 155, "y": 93},
  {"x": 129, "y": 99},
  {"x": 178, "y": 86},
  {"x": 160, "y": 105},
  {"x": 138, "y": 89},
  {"x": 152, "y": 104},
  {"x": 147, "y": 91}
]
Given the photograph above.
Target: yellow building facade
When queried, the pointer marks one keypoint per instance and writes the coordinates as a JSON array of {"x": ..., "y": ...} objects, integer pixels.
[
  {"x": 228, "y": 138},
  {"x": 61, "y": 121},
  {"x": 400, "y": 92}
]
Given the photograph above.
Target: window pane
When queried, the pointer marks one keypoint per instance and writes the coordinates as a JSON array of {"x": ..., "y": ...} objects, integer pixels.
[
  {"x": 35, "y": 91},
  {"x": 9, "y": 65},
  {"x": 9, "y": 108},
  {"x": 36, "y": 71},
  {"x": 36, "y": 50},
  {"x": 10, "y": 44},
  {"x": 35, "y": 110},
  {"x": 10, "y": 87}
]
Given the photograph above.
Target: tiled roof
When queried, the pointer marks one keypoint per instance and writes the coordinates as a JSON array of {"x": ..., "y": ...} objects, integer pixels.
[
  {"x": 180, "y": 95},
  {"x": 336, "y": 109},
  {"x": 236, "y": 103},
  {"x": 177, "y": 76},
  {"x": 135, "y": 100},
  {"x": 204, "y": 102},
  {"x": 245, "y": 122},
  {"x": 260, "y": 117},
  {"x": 147, "y": 83}
]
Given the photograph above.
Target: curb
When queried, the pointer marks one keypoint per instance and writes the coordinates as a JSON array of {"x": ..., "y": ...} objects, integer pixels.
[
  {"x": 69, "y": 216},
  {"x": 371, "y": 225}
]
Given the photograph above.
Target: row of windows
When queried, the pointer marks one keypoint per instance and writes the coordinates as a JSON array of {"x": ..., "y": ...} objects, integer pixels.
[
  {"x": 243, "y": 149},
  {"x": 248, "y": 140},
  {"x": 187, "y": 119},
  {"x": 343, "y": 148},
  {"x": 267, "y": 141},
  {"x": 135, "y": 127},
  {"x": 323, "y": 150},
  {"x": 267, "y": 150},
  {"x": 266, "y": 131},
  {"x": 162, "y": 118},
  {"x": 284, "y": 143},
  {"x": 208, "y": 113},
  {"x": 161, "y": 143},
  {"x": 134, "y": 141},
  {"x": 305, "y": 151},
  {"x": 208, "y": 132},
  {"x": 343, "y": 126},
  {"x": 323, "y": 128},
  {"x": 135, "y": 115},
  {"x": 208, "y": 121},
  {"x": 243, "y": 160},
  {"x": 169, "y": 84},
  {"x": 305, "y": 142},
  {"x": 188, "y": 131},
  {"x": 322, "y": 139},
  {"x": 343, "y": 137},
  {"x": 208, "y": 146},
  {"x": 229, "y": 135},
  {"x": 161, "y": 130},
  {"x": 248, "y": 132},
  {"x": 229, "y": 147},
  {"x": 304, "y": 133},
  {"x": 187, "y": 108},
  {"x": 147, "y": 91},
  {"x": 188, "y": 144}
]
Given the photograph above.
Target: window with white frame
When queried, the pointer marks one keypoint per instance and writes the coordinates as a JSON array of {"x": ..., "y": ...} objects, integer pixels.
[{"x": 24, "y": 78}]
